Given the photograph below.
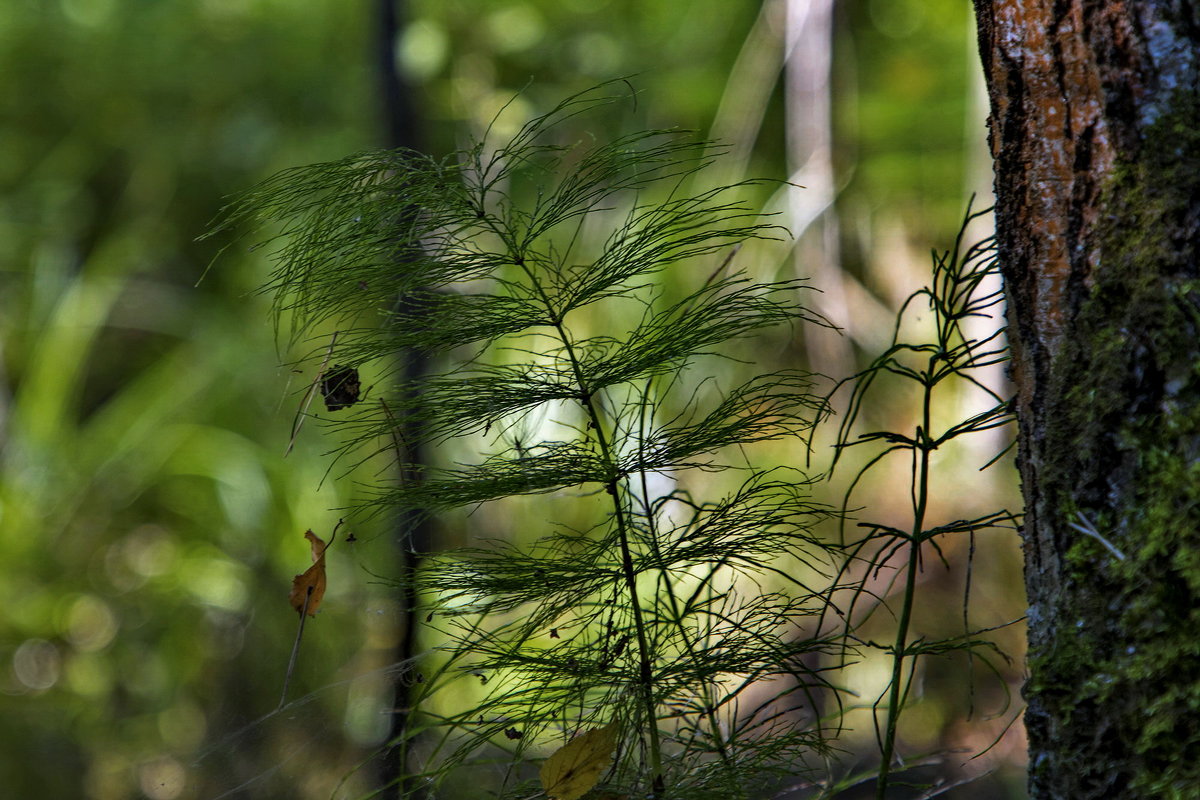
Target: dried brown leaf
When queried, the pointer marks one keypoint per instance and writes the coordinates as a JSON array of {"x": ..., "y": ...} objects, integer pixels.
[{"x": 311, "y": 585}]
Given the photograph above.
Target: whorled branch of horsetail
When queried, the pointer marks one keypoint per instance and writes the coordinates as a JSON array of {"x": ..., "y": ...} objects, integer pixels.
[
  {"x": 709, "y": 712},
  {"x": 612, "y": 486}
]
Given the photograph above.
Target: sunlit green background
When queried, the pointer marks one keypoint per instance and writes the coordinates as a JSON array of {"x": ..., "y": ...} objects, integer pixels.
[{"x": 149, "y": 521}]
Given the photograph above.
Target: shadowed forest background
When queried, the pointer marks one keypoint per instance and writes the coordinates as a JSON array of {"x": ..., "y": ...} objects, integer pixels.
[{"x": 150, "y": 524}]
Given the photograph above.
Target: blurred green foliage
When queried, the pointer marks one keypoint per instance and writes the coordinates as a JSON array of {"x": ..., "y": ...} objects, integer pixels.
[
  {"x": 149, "y": 521},
  {"x": 908, "y": 70},
  {"x": 149, "y": 524}
]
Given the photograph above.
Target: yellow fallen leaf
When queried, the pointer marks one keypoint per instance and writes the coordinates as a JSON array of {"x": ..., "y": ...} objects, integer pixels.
[
  {"x": 574, "y": 768},
  {"x": 311, "y": 584}
]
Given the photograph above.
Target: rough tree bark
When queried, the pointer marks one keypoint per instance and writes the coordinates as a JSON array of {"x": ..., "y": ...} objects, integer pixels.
[{"x": 1095, "y": 134}]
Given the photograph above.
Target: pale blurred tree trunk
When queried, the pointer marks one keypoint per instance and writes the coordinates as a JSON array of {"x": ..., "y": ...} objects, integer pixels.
[
  {"x": 1095, "y": 135},
  {"x": 812, "y": 216}
]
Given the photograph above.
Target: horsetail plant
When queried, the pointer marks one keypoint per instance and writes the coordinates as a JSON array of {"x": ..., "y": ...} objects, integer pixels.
[
  {"x": 679, "y": 626},
  {"x": 940, "y": 363},
  {"x": 675, "y": 644}
]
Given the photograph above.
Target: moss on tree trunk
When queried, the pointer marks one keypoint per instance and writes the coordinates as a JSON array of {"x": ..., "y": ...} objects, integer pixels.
[
  {"x": 1115, "y": 681},
  {"x": 1096, "y": 134}
]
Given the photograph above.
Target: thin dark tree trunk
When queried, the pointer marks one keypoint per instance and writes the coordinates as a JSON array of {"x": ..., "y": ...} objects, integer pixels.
[
  {"x": 413, "y": 532},
  {"x": 1095, "y": 134},
  {"x": 401, "y": 124}
]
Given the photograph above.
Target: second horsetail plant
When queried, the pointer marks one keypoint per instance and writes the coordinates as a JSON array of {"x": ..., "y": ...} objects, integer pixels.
[
  {"x": 941, "y": 362},
  {"x": 670, "y": 626}
]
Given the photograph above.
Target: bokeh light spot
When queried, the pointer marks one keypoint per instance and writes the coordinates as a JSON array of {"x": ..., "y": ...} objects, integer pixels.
[
  {"x": 216, "y": 581},
  {"x": 597, "y": 54},
  {"x": 515, "y": 28},
  {"x": 91, "y": 624},
  {"x": 89, "y": 675},
  {"x": 150, "y": 550},
  {"x": 89, "y": 13},
  {"x": 37, "y": 664},
  {"x": 163, "y": 779},
  {"x": 422, "y": 49}
]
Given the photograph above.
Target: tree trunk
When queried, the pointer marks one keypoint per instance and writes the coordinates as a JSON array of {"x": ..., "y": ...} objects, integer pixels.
[
  {"x": 413, "y": 531},
  {"x": 1095, "y": 134},
  {"x": 812, "y": 215}
]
